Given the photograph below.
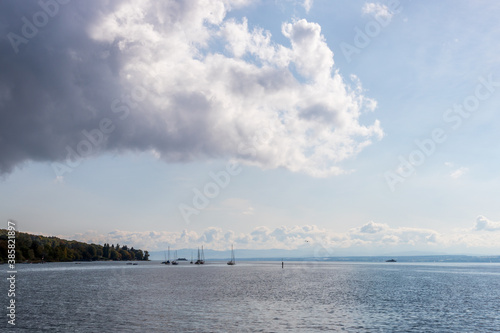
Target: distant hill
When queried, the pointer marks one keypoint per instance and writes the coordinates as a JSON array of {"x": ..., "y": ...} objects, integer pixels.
[{"x": 36, "y": 248}]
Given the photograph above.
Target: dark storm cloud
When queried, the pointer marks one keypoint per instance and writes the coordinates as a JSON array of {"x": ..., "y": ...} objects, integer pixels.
[
  {"x": 79, "y": 78},
  {"x": 57, "y": 84}
]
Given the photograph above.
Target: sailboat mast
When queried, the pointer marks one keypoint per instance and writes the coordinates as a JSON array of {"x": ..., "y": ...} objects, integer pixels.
[
  {"x": 167, "y": 261},
  {"x": 232, "y": 261}
]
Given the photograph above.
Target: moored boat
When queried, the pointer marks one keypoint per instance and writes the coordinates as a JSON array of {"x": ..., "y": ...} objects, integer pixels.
[
  {"x": 167, "y": 261},
  {"x": 232, "y": 261},
  {"x": 201, "y": 257}
]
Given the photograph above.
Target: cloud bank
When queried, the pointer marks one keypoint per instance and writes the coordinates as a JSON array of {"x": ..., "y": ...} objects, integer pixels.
[
  {"x": 372, "y": 236},
  {"x": 178, "y": 78}
]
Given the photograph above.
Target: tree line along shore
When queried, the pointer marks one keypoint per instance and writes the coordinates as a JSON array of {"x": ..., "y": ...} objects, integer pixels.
[{"x": 37, "y": 249}]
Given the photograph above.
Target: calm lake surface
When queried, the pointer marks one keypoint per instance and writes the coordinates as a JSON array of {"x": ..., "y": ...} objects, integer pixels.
[{"x": 255, "y": 297}]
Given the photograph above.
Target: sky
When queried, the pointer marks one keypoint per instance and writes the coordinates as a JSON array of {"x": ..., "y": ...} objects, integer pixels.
[{"x": 351, "y": 127}]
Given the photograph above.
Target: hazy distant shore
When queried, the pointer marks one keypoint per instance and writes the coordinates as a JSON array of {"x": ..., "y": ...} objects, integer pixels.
[{"x": 399, "y": 259}]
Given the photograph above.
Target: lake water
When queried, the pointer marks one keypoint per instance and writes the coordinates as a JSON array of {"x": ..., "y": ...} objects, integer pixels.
[{"x": 255, "y": 297}]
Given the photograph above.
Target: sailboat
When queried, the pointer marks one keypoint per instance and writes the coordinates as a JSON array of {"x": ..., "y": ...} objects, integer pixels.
[
  {"x": 198, "y": 262},
  {"x": 174, "y": 262},
  {"x": 201, "y": 257},
  {"x": 167, "y": 262},
  {"x": 165, "y": 254},
  {"x": 191, "y": 262},
  {"x": 232, "y": 261}
]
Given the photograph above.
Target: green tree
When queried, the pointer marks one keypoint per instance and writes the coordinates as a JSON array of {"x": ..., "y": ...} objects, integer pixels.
[
  {"x": 114, "y": 255},
  {"x": 125, "y": 255},
  {"x": 35, "y": 247},
  {"x": 105, "y": 251},
  {"x": 139, "y": 255}
]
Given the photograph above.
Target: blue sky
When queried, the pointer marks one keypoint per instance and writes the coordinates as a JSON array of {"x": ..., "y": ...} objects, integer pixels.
[{"x": 307, "y": 113}]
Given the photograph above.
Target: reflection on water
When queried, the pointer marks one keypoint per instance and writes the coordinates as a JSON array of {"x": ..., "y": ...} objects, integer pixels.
[{"x": 257, "y": 297}]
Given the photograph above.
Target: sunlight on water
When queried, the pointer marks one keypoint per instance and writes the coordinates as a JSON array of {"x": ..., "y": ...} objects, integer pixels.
[{"x": 258, "y": 297}]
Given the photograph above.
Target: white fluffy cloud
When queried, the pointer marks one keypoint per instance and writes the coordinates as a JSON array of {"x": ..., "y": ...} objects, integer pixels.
[
  {"x": 182, "y": 80},
  {"x": 482, "y": 223},
  {"x": 483, "y": 235},
  {"x": 307, "y": 5},
  {"x": 378, "y": 10}
]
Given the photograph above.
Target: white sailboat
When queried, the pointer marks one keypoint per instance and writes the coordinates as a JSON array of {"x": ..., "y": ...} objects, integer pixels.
[
  {"x": 174, "y": 262},
  {"x": 232, "y": 261},
  {"x": 167, "y": 261},
  {"x": 201, "y": 257}
]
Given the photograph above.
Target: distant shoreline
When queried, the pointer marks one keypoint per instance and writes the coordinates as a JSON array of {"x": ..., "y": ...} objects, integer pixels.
[
  {"x": 376, "y": 259},
  {"x": 361, "y": 259}
]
